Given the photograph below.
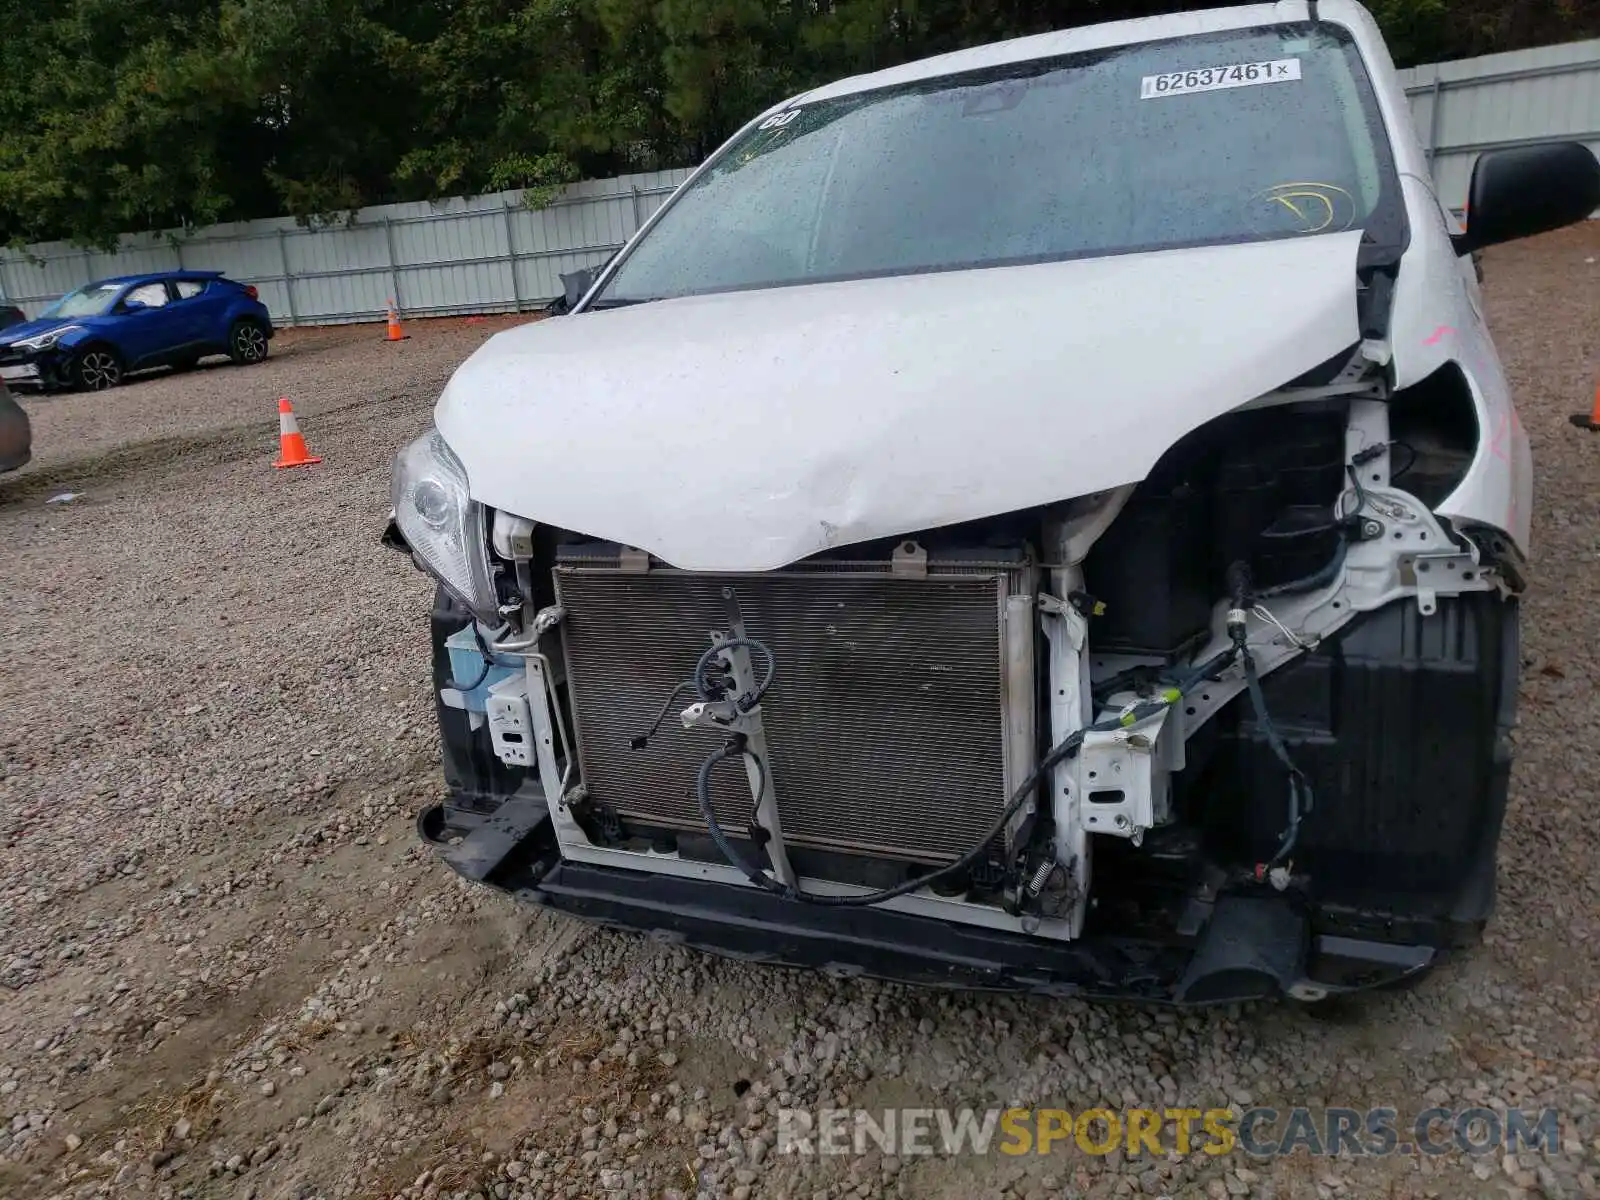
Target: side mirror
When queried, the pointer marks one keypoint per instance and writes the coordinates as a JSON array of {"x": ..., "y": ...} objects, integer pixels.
[
  {"x": 1518, "y": 192},
  {"x": 574, "y": 286},
  {"x": 133, "y": 306}
]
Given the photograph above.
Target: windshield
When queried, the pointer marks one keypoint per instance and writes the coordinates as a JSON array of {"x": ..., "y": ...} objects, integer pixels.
[
  {"x": 89, "y": 301},
  {"x": 1233, "y": 137}
]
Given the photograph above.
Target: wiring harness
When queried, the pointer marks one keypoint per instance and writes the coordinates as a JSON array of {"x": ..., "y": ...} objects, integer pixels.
[
  {"x": 1300, "y": 794},
  {"x": 712, "y": 684},
  {"x": 737, "y": 748}
]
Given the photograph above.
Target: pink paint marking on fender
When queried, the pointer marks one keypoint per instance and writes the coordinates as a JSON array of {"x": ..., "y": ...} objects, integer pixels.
[
  {"x": 1497, "y": 444},
  {"x": 1511, "y": 504},
  {"x": 1437, "y": 335},
  {"x": 1498, "y": 447}
]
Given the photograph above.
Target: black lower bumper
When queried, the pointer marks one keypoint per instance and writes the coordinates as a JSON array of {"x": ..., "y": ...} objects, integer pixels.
[{"x": 1251, "y": 946}]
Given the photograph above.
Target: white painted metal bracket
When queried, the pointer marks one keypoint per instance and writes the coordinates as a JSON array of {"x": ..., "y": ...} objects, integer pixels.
[
  {"x": 510, "y": 721},
  {"x": 1435, "y": 575},
  {"x": 1123, "y": 778},
  {"x": 1071, "y": 700},
  {"x": 554, "y": 771},
  {"x": 1066, "y": 633}
]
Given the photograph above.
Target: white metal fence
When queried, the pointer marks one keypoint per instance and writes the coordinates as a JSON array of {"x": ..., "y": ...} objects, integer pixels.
[
  {"x": 465, "y": 255},
  {"x": 1520, "y": 98},
  {"x": 493, "y": 254}
]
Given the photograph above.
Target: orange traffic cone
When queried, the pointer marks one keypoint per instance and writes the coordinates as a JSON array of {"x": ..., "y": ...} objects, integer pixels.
[
  {"x": 292, "y": 450},
  {"x": 394, "y": 325},
  {"x": 1591, "y": 419}
]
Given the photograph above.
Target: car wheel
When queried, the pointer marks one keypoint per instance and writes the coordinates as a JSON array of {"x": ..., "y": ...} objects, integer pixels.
[
  {"x": 97, "y": 368},
  {"x": 247, "y": 342}
]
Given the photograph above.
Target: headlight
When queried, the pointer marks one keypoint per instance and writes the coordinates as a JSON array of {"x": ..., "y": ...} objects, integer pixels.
[
  {"x": 440, "y": 522},
  {"x": 43, "y": 341}
]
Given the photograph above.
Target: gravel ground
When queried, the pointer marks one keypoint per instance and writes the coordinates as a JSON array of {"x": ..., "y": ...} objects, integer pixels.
[
  {"x": 321, "y": 370},
  {"x": 232, "y": 971}
]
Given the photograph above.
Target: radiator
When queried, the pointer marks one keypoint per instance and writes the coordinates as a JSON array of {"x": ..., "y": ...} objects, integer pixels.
[{"x": 901, "y": 715}]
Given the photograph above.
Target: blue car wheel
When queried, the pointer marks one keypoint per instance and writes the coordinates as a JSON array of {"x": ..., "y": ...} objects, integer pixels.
[
  {"x": 96, "y": 368},
  {"x": 247, "y": 342}
]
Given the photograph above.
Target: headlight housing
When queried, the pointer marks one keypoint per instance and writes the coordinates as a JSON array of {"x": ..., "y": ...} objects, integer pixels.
[
  {"x": 441, "y": 523},
  {"x": 43, "y": 341}
]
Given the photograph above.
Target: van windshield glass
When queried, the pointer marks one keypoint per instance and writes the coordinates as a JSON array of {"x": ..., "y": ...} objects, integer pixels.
[{"x": 1233, "y": 137}]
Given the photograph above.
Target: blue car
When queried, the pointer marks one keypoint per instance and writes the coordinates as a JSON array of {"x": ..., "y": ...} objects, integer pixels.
[{"x": 93, "y": 337}]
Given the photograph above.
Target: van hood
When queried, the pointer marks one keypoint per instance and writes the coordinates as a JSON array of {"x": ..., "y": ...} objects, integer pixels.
[{"x": 744, "y": 431}]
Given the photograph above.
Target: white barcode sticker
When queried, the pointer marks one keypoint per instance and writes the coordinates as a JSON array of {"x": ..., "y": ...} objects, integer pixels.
[{"x": 1215, "y": 79}]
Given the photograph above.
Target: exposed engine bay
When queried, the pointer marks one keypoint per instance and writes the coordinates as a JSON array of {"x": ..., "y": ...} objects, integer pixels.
[
  {"x": 1266, "y": 671},
  {"x": 1019, "y": 603}
]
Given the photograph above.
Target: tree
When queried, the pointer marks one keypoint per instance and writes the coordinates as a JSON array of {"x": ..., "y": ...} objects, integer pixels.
[{"x": 136, "y": 114}]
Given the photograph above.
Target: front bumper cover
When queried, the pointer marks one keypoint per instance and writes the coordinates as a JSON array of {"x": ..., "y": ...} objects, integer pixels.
[
  {"x": 50, "y": 367},
  {"x": 1253, "y": 946}
]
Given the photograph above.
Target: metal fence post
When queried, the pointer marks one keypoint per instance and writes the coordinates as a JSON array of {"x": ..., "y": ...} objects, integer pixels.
[
  {"x": 5, "y": 291},
  {"x": 1433, "y": 123},
  {"x": 511, "y": 257},
  {"x": 394, "y": 271},
  {"x": 288, "y": 279},
  {"x": 637, "y": 220}
]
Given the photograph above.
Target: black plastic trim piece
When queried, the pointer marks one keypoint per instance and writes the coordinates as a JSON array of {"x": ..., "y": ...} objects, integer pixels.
[{"x": 1264, "y": 932}]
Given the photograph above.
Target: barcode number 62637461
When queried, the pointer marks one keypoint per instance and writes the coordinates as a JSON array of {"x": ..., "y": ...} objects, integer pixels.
[{"x": 1208, "y": 79}]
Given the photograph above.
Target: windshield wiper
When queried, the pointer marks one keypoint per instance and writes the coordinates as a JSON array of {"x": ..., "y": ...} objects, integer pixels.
[{"x": 621, "y": 302}]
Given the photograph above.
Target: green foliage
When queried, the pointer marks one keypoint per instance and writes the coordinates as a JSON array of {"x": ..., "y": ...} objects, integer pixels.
[
  {"x": 133, "y": 114},
  {"x": 1416, "y": 30}
]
